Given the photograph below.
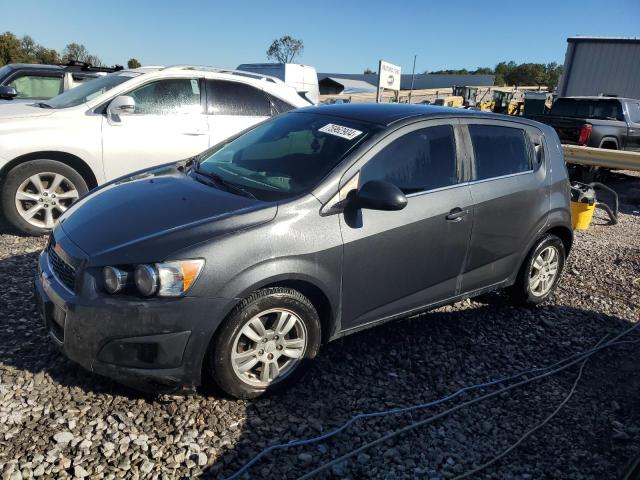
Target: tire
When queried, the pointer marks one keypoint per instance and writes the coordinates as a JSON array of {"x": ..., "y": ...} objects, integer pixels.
[
  {"x": 69, "y": 185},
  {"x": 244, "y": 377},
  {"x": 529, "y": 288}
]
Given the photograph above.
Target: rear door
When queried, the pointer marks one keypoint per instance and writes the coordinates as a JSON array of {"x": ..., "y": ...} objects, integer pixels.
[
  {"x": 510, "y": 196},
  {"x": 396, "y": 261},
  {"x": 233, "y": 107},
  {"x": 168, "y": 124}
]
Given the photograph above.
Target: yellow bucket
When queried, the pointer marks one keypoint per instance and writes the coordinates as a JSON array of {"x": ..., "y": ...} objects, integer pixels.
[{"x": 581, "y": 214}]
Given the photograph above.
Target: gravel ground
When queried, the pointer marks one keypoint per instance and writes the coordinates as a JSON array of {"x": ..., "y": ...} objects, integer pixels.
[{"x": 57, "y": 420}]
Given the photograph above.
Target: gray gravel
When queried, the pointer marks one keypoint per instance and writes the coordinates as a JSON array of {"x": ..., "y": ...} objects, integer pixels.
[{"x": 59, "y": 421}]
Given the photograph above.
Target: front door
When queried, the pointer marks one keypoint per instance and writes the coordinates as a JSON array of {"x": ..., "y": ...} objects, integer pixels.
[
  {"x": 168, "y": 125},
  {"x": 401, "y": 260}
]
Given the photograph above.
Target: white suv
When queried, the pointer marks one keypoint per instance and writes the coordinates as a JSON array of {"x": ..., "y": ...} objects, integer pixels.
[{"x": 52, "y": 152}]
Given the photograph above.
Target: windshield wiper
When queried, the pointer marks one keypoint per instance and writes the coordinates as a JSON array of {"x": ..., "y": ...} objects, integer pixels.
[
  {"x": 218, "y": 180},
  {"x": 42, "y": 105}
]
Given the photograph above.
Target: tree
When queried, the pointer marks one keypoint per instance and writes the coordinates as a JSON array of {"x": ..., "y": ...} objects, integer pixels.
[
  {"x": 46, "y": 55},
  {"x": 285, "y": 49},
  {"x": 79, "y": 53},
  {"x": 133, "y": 63},
  {"x": 10, "y": 49},
  {"x": 368, "y": 71}
]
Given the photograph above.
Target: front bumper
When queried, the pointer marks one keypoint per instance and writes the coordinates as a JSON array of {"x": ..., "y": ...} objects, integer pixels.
[{"x": 153, "y": 344}]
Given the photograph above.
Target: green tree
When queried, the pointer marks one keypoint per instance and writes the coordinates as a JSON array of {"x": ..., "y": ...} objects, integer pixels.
[
  {"x": 285, "y": 49},
  {"x": 46, "y": 55},
  {"x": 10, "y": 49},
  {"x": 78, "y": 52},
  {"x": 133, "y": 63}
]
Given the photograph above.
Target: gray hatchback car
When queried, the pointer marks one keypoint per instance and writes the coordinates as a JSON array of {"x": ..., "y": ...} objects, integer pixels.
[{"x": 238, "y": 264}]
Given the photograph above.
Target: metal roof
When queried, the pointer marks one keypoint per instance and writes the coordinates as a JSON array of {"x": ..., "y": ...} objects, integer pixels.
[
  {"x": 578, "y": 39},
  {"x": 351, "y": 86},
  {"x": 421, "y": 81}
]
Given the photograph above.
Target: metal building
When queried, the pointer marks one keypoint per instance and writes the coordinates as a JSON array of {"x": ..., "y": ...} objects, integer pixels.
[{"x": 601, "y": 66}]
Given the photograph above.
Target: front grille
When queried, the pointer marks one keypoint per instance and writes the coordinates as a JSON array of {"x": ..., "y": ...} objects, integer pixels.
[{"x": 61, "y": 269}]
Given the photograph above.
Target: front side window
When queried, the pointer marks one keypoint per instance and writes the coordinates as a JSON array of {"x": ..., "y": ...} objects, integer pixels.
[
  {"x": 499, "y": 151},
  {"x": 89, "y": 90},
  {"x": 171, "y": 96},
  {"x": 286, "y": 156},
  {"x": 235, "y": 98},
  {"x": 37, "y": 86},
  {"x": 421, "y": 160}
]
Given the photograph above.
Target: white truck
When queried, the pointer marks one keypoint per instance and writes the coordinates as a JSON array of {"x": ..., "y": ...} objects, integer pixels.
[{"x": 303, "y": 78}]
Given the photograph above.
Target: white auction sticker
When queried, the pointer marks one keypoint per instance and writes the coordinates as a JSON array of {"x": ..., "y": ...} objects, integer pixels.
[{"x": 340, "y": 131}]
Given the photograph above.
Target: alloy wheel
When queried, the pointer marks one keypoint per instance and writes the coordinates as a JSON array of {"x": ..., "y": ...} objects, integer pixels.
[
  {"x": 268, "y": 347},
  {"x": 544, "y": 271},
  {"x": 43, "y": 197}
]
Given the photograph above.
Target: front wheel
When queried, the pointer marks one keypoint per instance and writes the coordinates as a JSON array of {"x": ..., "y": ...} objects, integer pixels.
[
  {"x": 36, "y": 193},
  {"x": 540, "y": 272},
  {"x": 265, "y": 344}
]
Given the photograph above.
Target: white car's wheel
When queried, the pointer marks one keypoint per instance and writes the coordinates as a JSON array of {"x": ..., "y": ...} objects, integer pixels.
[{"x": 36, "y": 193}]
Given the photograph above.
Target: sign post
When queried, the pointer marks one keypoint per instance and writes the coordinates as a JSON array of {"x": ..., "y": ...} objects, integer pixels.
[{"x": 388, "y": 78}]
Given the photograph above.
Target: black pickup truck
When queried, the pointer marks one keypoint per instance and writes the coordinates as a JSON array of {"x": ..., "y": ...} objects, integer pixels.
[{"x": 600, "y": 122}]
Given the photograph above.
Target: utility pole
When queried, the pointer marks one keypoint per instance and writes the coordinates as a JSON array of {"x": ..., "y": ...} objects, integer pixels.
[{"x": 413, "y": 74}]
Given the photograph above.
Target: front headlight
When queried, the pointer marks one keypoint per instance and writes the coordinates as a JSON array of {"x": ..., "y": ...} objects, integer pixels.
[
  {"x": 164, "y": 279},
  {"x": 176, "y": 277}
]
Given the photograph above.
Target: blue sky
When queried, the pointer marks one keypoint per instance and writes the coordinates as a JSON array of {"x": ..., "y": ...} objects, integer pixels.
[{"x": 339, "y": 36}]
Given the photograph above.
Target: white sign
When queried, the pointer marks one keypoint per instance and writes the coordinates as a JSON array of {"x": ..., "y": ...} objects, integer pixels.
[
  {"x": 340, "y": 131},
  {"x": 388, "y": 76}
]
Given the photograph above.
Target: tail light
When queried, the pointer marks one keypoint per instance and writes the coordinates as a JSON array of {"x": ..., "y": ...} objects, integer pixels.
[{"x": 585, "y": 133}]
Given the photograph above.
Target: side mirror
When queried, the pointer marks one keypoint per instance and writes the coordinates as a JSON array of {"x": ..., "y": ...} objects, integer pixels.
[
  {"x": 7, "y": 92},
  {"x": 379, "y": 195},
  {"x": 122, "y": 105}
]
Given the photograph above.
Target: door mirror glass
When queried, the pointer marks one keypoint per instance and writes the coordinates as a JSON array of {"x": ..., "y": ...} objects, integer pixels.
[
  {"x": 8, "y": 93},
  {"x": 122, "y": 105},
  {"x": 379, "y": 195}
]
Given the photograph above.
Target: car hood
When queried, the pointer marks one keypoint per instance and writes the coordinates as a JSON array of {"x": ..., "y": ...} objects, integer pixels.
[
  {"x": 146, "y": 217},
  {"x": 22, "y": 109}
]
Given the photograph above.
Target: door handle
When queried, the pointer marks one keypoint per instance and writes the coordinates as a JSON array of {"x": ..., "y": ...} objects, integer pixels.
[
  {"x": 194, "y": 134},
  {"x": 456, "y": 214}
]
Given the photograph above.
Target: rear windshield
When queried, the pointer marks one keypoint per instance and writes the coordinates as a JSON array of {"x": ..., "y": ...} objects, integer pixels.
[
  {"x": 285, "y": 156},
  {"x": 597, "y": 109}
]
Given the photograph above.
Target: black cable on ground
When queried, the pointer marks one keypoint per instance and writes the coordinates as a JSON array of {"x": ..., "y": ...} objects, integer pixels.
[{"x": 433, "y": 418}]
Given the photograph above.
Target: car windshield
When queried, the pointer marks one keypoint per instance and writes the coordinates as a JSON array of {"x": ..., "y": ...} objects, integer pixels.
[
  {"x": 89, "y": 90},
  {"x": 4, "y": 71},
  {"x": 283, "y": 157}
]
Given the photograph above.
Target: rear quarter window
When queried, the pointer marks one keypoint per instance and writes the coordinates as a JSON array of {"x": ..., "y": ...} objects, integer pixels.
[{"x": 499, "y": 151}]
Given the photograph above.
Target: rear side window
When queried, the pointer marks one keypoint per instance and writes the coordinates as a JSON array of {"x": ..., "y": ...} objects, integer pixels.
[
  {"x": 421, "y": 160},
  {"x": 280, "y": 106},
  {"x": 499, "y": 151},
  {"x": 234, "y": 98}
]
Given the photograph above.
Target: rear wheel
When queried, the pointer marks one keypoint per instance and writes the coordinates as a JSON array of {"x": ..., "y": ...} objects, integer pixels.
[
  {"x": 36, "y": 193},
  {"x": 540, "y": 272},
  {"x": 265, "y": 343}
]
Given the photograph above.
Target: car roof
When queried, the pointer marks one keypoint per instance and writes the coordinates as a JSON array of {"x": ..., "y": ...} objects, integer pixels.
[
  {"x": 386, "y": 114},
  {"x": 34, "y": 66}
]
